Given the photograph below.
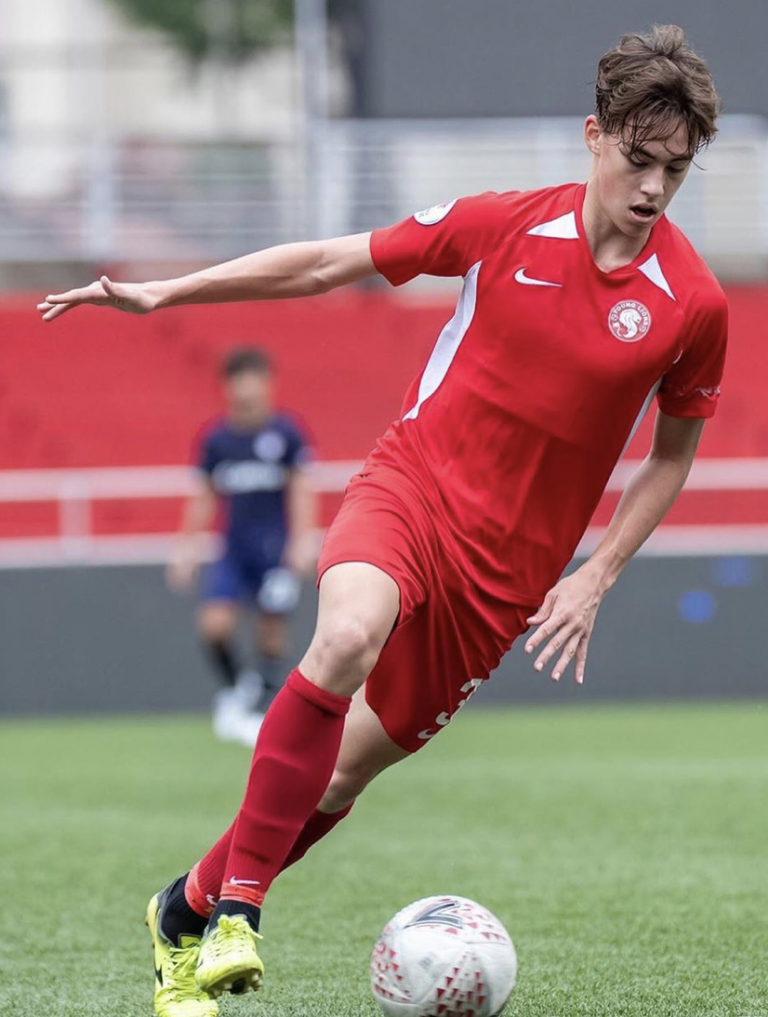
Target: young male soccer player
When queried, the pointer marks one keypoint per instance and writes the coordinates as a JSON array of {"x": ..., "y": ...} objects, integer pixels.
[
  {"x": 251, "y": 466},
  {"x": 580, "y": 303}
]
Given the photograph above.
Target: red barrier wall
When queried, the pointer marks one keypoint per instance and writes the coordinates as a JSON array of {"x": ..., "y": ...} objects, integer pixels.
[
  {"x": 101, "y": 389},
  {"x": 98, "y": 388}
]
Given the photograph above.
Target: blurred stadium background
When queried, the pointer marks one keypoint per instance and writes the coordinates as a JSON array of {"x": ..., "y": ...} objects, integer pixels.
[
  {"x": 623, "y": 844},
  {"x": 149, "y": 139}
]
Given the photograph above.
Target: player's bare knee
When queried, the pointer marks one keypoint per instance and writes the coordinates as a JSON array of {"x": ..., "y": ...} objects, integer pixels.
[
  {"x": 347, "y": 643},
  {"x": 342, "y": 647},
  {"x": 215, "y": 626}
]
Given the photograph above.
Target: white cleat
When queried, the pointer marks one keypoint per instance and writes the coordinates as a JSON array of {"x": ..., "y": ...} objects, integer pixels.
[
  {"x": 234, "y": 718},
  {"x": 250, "y": 726}
]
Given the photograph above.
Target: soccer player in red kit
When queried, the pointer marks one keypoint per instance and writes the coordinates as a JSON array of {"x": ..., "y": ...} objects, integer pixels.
[{"x": 580, "y": 304}]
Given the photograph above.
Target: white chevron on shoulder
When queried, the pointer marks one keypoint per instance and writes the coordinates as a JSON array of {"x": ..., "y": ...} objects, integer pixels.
[
  {"x": 562, "y": 228},
  {"x": 651, "y": 269}
]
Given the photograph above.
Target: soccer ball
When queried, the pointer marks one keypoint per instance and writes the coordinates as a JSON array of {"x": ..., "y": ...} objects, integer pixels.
[{"x": 443, "y": 957}]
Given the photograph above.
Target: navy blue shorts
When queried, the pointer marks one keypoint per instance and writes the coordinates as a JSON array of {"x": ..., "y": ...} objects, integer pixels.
[{"x": 268, "y": 588}]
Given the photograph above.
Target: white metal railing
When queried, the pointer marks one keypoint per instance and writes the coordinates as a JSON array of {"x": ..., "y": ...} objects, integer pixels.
[
  {"x": 138, "y": 482},
  {"x": 74, "y": 491},
  {"x": 394, "y": 167},
  {"x": 135, "y": 200}
]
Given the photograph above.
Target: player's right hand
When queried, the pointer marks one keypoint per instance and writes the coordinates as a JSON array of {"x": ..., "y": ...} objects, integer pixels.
[{"x": 135, "y": 298}]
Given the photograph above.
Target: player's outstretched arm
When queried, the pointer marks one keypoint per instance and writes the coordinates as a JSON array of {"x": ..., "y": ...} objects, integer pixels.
[
  {"x": 567, "y": 616},
  {"x": 290, "y": 270}
]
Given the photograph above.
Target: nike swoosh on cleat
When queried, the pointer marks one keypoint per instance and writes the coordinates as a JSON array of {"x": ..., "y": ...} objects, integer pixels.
[
  {"x": 521, "y": 277},
  {"x": 159, "y": 975}
]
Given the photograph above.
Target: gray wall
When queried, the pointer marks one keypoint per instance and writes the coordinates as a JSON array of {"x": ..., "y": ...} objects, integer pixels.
[
  {"x": 114, "y": 639},
  {"x": 434, "y": 58}
]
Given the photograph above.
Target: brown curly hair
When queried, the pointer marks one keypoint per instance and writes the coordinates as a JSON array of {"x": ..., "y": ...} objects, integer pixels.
[{"x": 649, "y": 84}]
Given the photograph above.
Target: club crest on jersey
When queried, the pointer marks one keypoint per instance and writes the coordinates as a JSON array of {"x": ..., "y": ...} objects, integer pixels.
[
  {"x": 430, "y": 216},
  {"x": 629, "y": 320}
]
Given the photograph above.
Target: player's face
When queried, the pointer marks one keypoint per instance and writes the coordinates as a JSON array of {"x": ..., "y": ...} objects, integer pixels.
[
  {"x": 249, "y": 398},
  {"x": 635, "y": 186}
]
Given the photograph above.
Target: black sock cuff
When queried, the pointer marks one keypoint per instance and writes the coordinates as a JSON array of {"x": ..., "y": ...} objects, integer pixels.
[
  {"x": 177, "y": 918},
  {"x": 251, "y": 913}
]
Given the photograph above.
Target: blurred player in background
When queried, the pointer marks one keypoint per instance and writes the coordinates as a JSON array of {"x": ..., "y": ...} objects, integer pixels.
[
  {"x": 580, "y": 304},
  {"x": 251, "y": 470}
]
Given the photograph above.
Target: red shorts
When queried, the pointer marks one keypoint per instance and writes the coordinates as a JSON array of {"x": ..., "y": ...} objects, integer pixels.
[{"x": 449, "y": 635}]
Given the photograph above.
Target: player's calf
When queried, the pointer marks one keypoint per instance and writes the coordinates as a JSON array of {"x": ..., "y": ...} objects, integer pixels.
[{"x": 347, "y": 783}]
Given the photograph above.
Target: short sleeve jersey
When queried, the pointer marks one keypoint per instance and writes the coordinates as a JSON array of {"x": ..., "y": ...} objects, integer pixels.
[
  {"x": 250, "y": 470},
  {"x": 535, "y": 385}
]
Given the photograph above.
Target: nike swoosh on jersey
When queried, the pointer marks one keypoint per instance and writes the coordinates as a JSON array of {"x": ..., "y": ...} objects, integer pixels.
[{"x": 521, "y": 277}]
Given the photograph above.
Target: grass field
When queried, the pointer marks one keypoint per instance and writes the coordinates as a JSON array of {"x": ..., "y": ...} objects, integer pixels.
[{"x": 626, "y": 849}]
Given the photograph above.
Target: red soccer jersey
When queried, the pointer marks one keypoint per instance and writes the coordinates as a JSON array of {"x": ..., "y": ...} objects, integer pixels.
[{"x": 534, "y": 386}]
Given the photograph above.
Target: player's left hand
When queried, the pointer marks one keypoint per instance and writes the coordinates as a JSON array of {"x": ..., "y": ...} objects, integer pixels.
[{"x": 565, "y": 620}]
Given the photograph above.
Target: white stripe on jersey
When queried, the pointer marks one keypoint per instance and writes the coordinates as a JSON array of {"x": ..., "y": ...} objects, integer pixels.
[
  {"x": 448, "y": 342},
  {"x": 643, "y": 410}
]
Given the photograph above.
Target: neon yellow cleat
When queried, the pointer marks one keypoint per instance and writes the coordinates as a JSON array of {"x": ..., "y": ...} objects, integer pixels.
[
  {"x": 229, "y": 960},
  {"x": 176, "y": 991}
]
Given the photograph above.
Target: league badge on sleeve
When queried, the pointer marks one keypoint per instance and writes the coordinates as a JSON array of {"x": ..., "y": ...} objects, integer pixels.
[{"x": 430, "y": 216}]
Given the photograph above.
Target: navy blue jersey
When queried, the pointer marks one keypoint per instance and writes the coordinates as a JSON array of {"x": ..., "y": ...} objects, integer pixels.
[{"x": 250, "y": 470}]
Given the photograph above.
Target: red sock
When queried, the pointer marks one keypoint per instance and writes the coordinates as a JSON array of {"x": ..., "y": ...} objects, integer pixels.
[
  {"x": 316, "y": 827},
  {"x": 292, "y": 766},
  {"x": 203, "y": 885}
]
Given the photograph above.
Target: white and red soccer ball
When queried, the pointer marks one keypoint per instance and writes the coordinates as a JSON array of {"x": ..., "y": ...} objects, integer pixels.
[{"x": 443, "y": 957}]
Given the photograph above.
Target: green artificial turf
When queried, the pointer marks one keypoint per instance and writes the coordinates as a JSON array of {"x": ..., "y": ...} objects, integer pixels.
[{"x": 625, "y": 848}]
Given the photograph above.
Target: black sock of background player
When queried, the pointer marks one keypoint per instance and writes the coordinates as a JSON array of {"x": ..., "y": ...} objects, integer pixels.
[
  {"x": 272, "y": 671},
  {"x": 237, "y": 907},
  {"x": 178, "y": 917},
  {"x": 224, "y": 660}
]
